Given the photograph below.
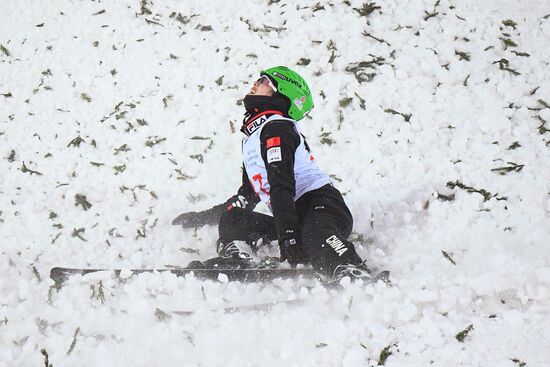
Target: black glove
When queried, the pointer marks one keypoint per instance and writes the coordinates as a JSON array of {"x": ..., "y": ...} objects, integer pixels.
[
  {"x": 197, "y": 219},
  {"x": 290, "y": 247},
  {"x": 236, "y": 201}
]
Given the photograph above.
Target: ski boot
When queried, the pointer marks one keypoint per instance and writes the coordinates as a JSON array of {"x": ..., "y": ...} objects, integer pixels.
[
  {"x": 359, "y": 271},
  {"x": 354, "y": 272},
  {"x": 231, "y": 256},
  {"x": 231, "y": 250}
]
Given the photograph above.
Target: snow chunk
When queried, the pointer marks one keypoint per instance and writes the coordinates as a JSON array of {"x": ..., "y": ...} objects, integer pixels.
[
  {"x": 408, "y": 312},
  {"x": 125, "y": 273},
  {"x": 223, "y": 278},
  {"x": 543, "y": 274},
  {"x": 424, "y": 295}
]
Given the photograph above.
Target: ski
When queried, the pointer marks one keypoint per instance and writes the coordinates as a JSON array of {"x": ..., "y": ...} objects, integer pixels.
[
  {"x": 255, "y": 307},
  {"x": 61, "y": 274},
  {"x": 383, "y": 276}
]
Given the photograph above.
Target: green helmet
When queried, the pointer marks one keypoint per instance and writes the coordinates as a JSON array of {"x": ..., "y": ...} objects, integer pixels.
[{"x": 291, "y": 85}]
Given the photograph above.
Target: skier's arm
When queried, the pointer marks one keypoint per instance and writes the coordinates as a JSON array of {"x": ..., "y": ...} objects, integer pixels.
[
  {"x": 245, "y": 198},
  {"x": 279, "y": 141},
  {"x": 199, "y": 219}
]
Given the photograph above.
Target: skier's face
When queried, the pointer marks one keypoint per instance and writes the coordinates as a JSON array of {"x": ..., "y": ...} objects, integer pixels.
[{"x": 262, "y": 87}]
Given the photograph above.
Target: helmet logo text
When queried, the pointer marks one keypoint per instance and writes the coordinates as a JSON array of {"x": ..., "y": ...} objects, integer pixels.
[{"x": 285, "y": 78}]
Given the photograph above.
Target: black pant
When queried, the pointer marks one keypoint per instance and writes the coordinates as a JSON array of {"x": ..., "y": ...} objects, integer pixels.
[{"x": 325, "y": 224}]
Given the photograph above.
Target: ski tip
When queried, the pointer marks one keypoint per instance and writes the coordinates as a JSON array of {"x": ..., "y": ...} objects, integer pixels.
[
  {"x": 58, "y": 275},
  {"x": 383, "y": 276}
]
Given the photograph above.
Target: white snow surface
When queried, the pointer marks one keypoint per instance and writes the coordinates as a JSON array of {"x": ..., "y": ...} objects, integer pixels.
[{"x": 134, "y": 106}]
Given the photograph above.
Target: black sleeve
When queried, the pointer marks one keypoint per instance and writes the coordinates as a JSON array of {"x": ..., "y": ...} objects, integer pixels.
[
  {"x": 279, "y": 141},
  {"x": 248, "y": 192},
  {"x": 245, "y": 192}
]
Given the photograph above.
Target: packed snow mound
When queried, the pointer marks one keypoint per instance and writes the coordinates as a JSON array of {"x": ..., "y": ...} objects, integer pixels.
[{"x": 433, "y": 118}]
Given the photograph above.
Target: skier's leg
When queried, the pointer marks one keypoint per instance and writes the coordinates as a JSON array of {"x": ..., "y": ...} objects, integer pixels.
[
  {"x": 326, "y": 225},
  {"x": 244, "y": 225},
  {"x": 325, "y": 243}
]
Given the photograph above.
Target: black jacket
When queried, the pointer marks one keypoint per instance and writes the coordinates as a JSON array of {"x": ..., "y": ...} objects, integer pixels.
[{"x": 280, "y": 175}]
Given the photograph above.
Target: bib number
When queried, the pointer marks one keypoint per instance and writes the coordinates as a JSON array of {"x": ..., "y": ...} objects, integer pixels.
[{"x": 258, "y": 178}]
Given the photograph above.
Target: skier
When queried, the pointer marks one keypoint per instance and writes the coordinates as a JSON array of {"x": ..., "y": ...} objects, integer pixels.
[{"x": 310, "y": 221}]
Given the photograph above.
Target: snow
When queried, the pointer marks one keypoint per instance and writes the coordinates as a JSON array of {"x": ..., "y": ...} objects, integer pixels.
[{"x": 117, "y": 116}]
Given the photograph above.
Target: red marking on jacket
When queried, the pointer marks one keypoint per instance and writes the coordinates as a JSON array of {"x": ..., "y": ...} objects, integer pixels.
[{"x": 273, "y": 142}]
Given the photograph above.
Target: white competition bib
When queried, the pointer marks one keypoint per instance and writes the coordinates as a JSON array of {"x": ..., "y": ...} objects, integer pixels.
[{"x": 306, "y": 173}]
